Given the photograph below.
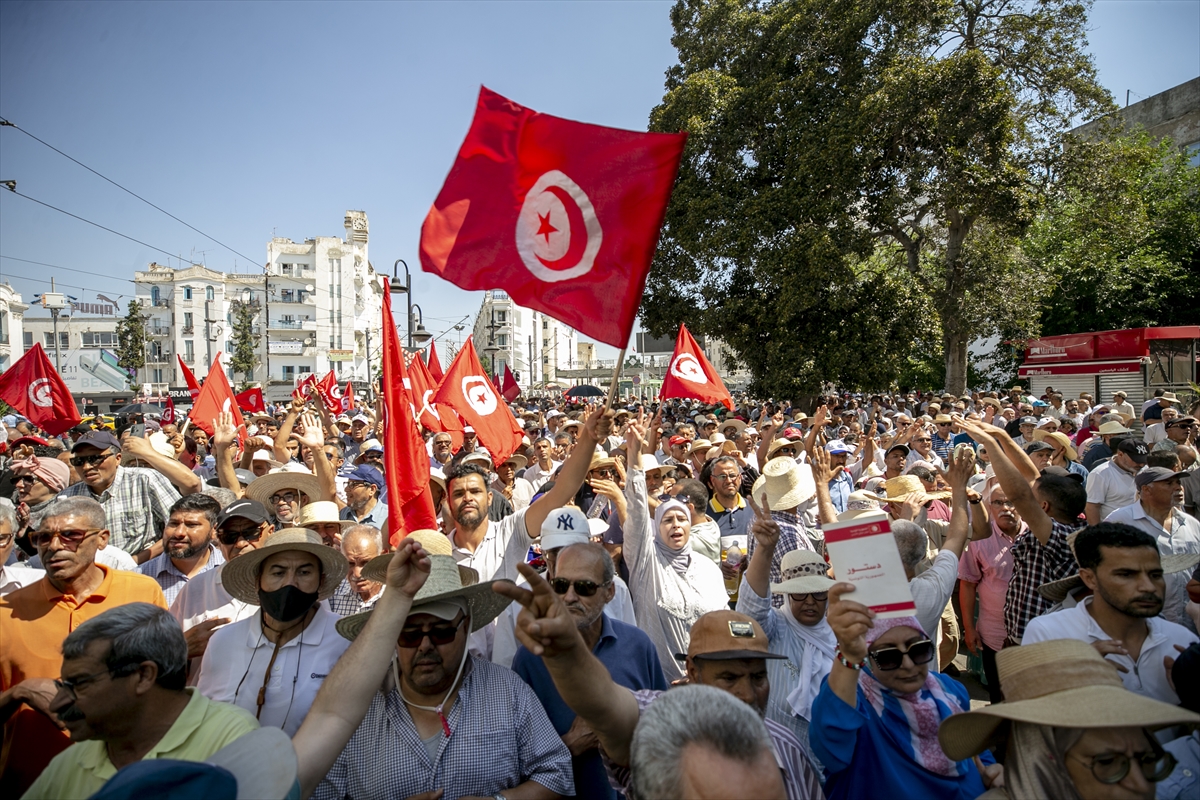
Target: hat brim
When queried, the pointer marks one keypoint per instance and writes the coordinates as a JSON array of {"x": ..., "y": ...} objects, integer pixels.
[
  {"x": 239, "y": 576},
  {"x": 267, "y": 485},
  {"x": 968, "y": 734},
  {"x": 484, "y": 604},
  {"x": 730, "y": 655},
  {"x": 805, "y": 585}
]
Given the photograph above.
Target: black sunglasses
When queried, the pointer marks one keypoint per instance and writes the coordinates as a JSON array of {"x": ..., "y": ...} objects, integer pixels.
[
  {"x": 582, "y": 588},
  {"x": 81, "y": 461},
  {"x": 230, "y": 536},
  {"x": 890, "y": 658},
  {"x": 438, "y": 634}
]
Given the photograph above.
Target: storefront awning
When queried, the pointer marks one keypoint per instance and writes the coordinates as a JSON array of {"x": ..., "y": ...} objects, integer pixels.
[{"x": 1124, "y": 366}]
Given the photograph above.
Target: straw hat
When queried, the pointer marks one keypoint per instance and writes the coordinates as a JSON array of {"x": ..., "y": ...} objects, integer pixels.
[
  {"x": 240, "y": 575},
  {"x": 787, "y": 483},
  {"x": 736, "y": 424},
  {"x": 1057, "y": 591},
  {"x": 777, "y": 444},
  {"x": 900, "y": 487},
  {"x": 518, "y": 459},
  {"x": 859, "y": 503},
  {"x": 701, "y": 445},
  {"x": 1059, "y": 439},
  {"x": 649, "y": 463},
  {"x": 1112, "y": 429},
  {"x": 446, "y": 581},
  {"x": 320, "y": 511},
  {"x": 289, "y": 476},
  {"x": 1061, "y": 683},
  {"x": 601, "y": 462},
  {"x": 802, "y": 572}
]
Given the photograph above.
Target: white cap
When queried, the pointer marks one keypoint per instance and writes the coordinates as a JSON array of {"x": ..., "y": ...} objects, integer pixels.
[{"x": 565, "y": 526}]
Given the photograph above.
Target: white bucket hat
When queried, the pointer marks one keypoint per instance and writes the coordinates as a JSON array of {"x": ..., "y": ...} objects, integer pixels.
[{"x": 802, "y": 572}]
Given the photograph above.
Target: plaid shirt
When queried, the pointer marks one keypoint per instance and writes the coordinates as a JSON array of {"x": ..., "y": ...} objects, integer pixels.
[
  {"x": 137, "y": 505},
  {"x": 1033, "y": 565},
  {"x": 172, "y": 581},
  {"x": 345, "y": 600},
  {"x": 792, "y": 536},
  {"x": 500, "y": 738}
]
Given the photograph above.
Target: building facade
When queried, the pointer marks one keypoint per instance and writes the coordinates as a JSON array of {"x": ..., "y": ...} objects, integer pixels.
[
  {"x": 531, "y": 344},
  {"x": 12, "y": 314},
  {"x": 87, "y": 354}
]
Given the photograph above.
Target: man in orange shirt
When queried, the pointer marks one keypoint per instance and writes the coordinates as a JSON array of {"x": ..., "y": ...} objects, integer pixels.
[{"x": 34, "y": 621}]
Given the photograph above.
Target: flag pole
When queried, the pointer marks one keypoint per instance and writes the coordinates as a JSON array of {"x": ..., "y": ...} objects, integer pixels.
[{"x": 612, "y": 389}]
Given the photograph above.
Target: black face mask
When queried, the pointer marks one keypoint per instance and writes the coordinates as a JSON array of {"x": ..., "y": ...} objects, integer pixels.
[{"x": 287, "y": 603}]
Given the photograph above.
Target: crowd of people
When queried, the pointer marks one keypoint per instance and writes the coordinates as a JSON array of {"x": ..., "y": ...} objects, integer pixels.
[{"x": 637, "y": 602}]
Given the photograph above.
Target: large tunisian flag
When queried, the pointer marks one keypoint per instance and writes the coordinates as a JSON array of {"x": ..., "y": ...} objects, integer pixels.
[
  {"x": 467, "y": 390},
  {"x": 690, "y": 374},
  {"x": 563, "y": 215},
  {"x": 216, "y": 395},
  {"x": 407, "y": 470},
  {"x": 33, "y": 387}
]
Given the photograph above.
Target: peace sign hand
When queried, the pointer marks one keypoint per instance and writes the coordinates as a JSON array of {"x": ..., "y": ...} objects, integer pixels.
[
  {"x": 765, "y": 529},
  {"x": 545, "y": 627}
]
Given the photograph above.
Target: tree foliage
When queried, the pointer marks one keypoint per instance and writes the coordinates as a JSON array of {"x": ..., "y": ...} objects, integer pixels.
[
  {"x": 131, "y": 339},
  {"x": 244, "y": 358}
]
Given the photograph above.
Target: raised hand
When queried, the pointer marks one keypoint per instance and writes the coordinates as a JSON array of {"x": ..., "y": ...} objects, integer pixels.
[
  {"x": 962, "y": 467},
  {"x": 310, "y": 434},
  {"x": 765, "y": 529},
  {"x": 545, "y": 627},
  {"x": 224, "y": 431},
  {"x": 820, "y": 417},
  {"x": 408, "y": 568},
  {"x": 819, "y": 459},
  {"x": 850, "y": 622},
  {"x": 635, "y": 439},
  {"x": 596, "y": 426}
]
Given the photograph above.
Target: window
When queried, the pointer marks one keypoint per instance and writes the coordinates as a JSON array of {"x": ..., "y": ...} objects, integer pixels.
[
  {"x": 99, "y": 339},
  {"x": 187, "y": 293},
  {"x": 209, "y": 293},
  {"x": 545, "y": 324},
  {"x": 289, "y": 373},
  {"x": 154, "y": 295},
  {"x": 156, "y": 375},
  {"x": 287, "y": 296},
  {"x": 286, "y": 269},
  {"x": 187, "y": 322},
  {"x": 501, "y": 316},
  {"x": 28, "y": 335},
  {"x": 64, "y": 340},
  {"x": 189, "y": 350},
  {"x": 303, "y": 370},
  {"x": 502, "y": 340}
]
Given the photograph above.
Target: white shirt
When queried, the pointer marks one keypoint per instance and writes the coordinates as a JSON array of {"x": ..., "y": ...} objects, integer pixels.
[
  {"x": 538, "y": 477},
  {"x": 204, "y": 598},
  {"x": 503, "y": 547},
  {"x": 18, "y": 576},
  {"x": 522, "y": 492},
  {"x": 1110, "y": 487},
  {"x": 932, "y": 458},
  {"x": 1182, "y": 539},
  {"x": 1148, "y": 677},
  {"x": 1154, "y": 434},
  {"x": 931, "y": 591},
  {"x": 239, "y": 654}
]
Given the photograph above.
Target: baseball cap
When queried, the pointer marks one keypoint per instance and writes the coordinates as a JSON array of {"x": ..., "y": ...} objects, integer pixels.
[
  {"x": 1037, "y": 447},
  {"x": 727, "y": 635},
  {"x": 369, "y": 445},
  {"x": 1132, "y": 448},
  {"x": 28, "y": 440},
  {"x": 1061, "y": 472},
  {"x": 677, "y": 440},
  {"x": 838, "y": 447},
  {"x": 363, "y": 418},
  {"x": 243, "y": 509},
  {"x": 101, "y": 440},
  {"x": 1028, "y": 421},
  {"x": 896, "y": 447},
  {"x": 564, "y": 526},
  {"x": 367, "y": 474},
  {"x": 244, "y": 477},
  {"x": 1156, "y": 474},
  {"x": 792, "y": 433},
  {"x": 1180, "y": 421}
]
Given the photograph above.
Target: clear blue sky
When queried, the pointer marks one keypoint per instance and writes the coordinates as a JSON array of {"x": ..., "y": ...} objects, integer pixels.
[{"x": 253, "y": 119}]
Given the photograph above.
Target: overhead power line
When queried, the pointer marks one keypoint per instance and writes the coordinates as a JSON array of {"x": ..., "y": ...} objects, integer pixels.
[
  {"x": 7, "y": 123},
  {"x": 67, "y": 269}
]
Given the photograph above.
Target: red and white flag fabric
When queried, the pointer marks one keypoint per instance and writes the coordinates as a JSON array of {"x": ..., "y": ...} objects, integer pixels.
[
  {"x": 304, "y": 386},
  {"x": 433, "y": 363},
  {"x": 348, "y": 398},
  {"x": 216, "y": 395},
  {"x": 467, "y": 390},
  {"x": 251, "y": 400},
  {"x": 33, "y": 387},
  {"x": 167, "y": 417},
  {"x": 189, "y": 378},
  {"x": 439, "y": 419},
  {"x": 409, "y": 501},
  {"x": 330, "y": 393},
  {"x": 563, "y": 215},
  {"x": 509, "y": 388},
  {"x": 690, "y": 374}
]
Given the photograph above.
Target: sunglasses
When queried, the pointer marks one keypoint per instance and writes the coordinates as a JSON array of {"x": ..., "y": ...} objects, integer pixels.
[
  {"x": 230, "y": 536},
  {"x": 923, "y": 439},
  {"x": 25, "y": 479},
  {"x": 890, "y": 658},
  {"x": 604, "y": 473},
  {"x": 284, "y": 497},
  {"x": 69, "y": 539},
  {"x": 582, "y": 588},
  {"x": 85, "y": 461},
  {"x": 438, "y": 634},
  {"x": 820, "y": 597}
]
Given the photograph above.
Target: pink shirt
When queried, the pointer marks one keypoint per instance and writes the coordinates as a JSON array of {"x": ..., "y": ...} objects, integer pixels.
[{"x": 988, "y": 563}]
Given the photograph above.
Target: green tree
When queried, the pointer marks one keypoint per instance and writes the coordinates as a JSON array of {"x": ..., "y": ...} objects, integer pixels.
[
  {"x": 131, "y": 340},
  {"x": 244, "y": 341}
]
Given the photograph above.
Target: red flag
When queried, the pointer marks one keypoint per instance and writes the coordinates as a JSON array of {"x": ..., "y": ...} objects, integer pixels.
[
  {"x": 410, "y": 503},
  {"x": 437, "y": 418},
  {"x": 466, "y": 389},
  {"x": 167, "y": 417},
  {"x": 509, "y": 390},
  {"x": 348, "y": 398},
  {"x": 690, "y": 374},
  {"x": 33, "y": 387},
  {"x": 189, "y": 378},
  {"x": 252, "y": 400},
  {"x": 216, "y": 395},
  {"x": 435, "y": 366},
  {"x": 330, "y": 393},
  {"x": 304, "y": 386},
  {"x": 563, "y": 215}
]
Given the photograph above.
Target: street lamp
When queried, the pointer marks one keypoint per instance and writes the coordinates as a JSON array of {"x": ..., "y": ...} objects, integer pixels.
[
  {"x": 418, "y": 337},
  {"x": 406, "y": 289}
]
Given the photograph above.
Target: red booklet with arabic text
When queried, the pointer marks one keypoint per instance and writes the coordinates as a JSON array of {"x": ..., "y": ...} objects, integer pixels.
[{"x": 863, "y": 552}]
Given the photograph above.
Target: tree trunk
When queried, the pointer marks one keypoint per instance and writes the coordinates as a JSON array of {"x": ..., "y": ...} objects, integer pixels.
[{"x": 954, "y": 344}]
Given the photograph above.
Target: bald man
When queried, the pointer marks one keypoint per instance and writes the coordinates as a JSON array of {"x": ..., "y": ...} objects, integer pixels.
[{"x": 360, "y": 543}]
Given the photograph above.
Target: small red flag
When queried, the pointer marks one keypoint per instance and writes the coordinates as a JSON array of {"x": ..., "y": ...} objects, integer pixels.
[
  {"x": 33, "y": 387},
  {"x": 252, "y": 400},
  {"x": 216, "y": 395},
  {"x": 304, "y": 386},
  {"x": 167, "y": 417},
  {"x": 348, "y": 398},
  {"x": 330, "y": 393},
  {"x": 434, "y": 417},
  {"x": 407, "y": 474},
  {"x": 467, "y": 390},
  {"x": 563, "y": 215},
  {"x": 189, "y": 378},
  {"x": 434, "y": 364},
  {"x": 690, "y": 374},
  {"x": 510, "y": 390}
]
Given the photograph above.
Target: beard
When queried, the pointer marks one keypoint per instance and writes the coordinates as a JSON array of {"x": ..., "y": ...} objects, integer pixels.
[
  {"x": 1128, "y": 608},
  {"x": 184, "y": 552},
  {"x": 469, "y": 518}
]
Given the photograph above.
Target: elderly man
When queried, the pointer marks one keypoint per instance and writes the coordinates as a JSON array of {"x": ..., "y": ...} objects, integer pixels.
[
  {"x": 272, "y": 663},
  {"x": 360, "y": 429},
  {"x": 136, "y": 501},
  {"x": 285, "y": 491},
  {"x": 34, "y": 621},
  {"x": 360, "y": 544},
  {"x": 1157, "y": 512},
  {"x": 1100, "y": 447},
  {"x": 446, "y": 723},
  {"x": 441, "y": 448},
  {"x": 364, "y": 487},
  {"x": 324, "y": 517},
  {"x": 727, "y": 507},
  {"x": 922, "y": 450},
  {"x": 188, "y": 548},
  {"x": 122, "y": 696},
  {"x": 1157, "y": 431},
  {"x": 584, "y": 577},
  {"x": 786, "y": 487},
  {"x": 1110, "y": 486},
  {"x": 727, "y": 650},
  {"x": 517, "y": 491},
  {"x": 13, "y": 576}
]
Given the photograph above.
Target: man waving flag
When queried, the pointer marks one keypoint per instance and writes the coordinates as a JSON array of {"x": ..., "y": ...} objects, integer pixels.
[
  {"x": 563, "y": 215},
  {"x": 690, "y": 374}
]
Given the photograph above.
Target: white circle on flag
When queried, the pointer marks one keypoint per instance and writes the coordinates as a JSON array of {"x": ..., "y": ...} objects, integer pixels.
[
  {"x": 425, "y": 406},
  {"x": 41, "y": 393},
  {"x": 479, "y": 394},
  {"x": 558, "y": 234},
  {"x": 686, "y": 367}
]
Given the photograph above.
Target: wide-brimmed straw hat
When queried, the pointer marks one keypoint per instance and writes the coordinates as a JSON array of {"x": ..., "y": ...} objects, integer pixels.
[
  {"x": 802, "y": 572},
  {"x": 903, "y": 485},
  {"x": 859, "y": 503},
  {"x": 787, "y": 484},
  {"x": 649, "y": 463},
  {"x": 736, "y": 424},
  {"x": 1060, "y": 439},
  {"x": 320, "y": 511},
  {"x": 1057, "y": 591},
  {"x": 1061, "y": 683},
  {"x": 239, "y": 576},
  {"x": 777, "y": 444},
  {"x": 601, "y": 462},
  {"x": 289, "y": 476},
  {"x": 516, "y": 458}
]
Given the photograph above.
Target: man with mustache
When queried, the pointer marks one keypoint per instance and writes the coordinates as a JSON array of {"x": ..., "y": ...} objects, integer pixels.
[
  {"x": 1122, "y": 567},
  {"x": 34, "y": 621},
  {"x": 123, "y": 699},
  {"x": 188, "y": 547}
]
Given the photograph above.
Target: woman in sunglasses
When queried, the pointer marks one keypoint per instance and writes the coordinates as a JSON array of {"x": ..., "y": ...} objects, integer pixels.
[{"x": 875, "y": 721}]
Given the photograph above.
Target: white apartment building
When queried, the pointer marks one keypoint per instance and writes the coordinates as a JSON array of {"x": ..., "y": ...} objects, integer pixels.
[
  {"x": 12, "y": 313},
  {"x": 87, "y": 354},
  {"x": 533, "y": 345}
]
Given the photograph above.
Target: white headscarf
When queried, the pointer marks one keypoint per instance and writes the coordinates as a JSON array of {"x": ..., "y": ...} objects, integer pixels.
[
  {"x": 820, "y": 646},
  {"x": 680, "y": 559}
]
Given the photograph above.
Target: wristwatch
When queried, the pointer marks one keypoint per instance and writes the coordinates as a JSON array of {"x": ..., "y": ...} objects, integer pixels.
[{"x": 499, "y": 796}]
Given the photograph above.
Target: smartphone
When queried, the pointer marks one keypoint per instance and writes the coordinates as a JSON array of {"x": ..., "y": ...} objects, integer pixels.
[{"x": 138, "y": 430}]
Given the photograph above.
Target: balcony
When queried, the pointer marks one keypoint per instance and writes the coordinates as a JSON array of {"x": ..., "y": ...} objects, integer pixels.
[
  {"x": 296, "y": 298},
  {"x": 189, "y": 329},
  {"x": 158, "y": 331},
  {"x": 293, "y": 324},
  {"x": 189, "y": 359},
  {"x": 161, "y": 302}
]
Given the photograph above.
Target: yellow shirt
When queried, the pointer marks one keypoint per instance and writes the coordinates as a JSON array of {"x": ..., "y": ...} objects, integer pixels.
[{"x": 202, "y": 729}]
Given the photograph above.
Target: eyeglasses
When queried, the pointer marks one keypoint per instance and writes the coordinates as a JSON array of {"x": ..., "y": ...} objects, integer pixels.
[
  {"x": 25, "y": 479},
  {"x": 944, "y": 424},
  {"x": 787, "y": 451},
  {"x": 72, "y": 686},
  {"x": 820, "y": 597},
  {"x": 1003, "y": 503},
  {"x": 438, "y": 634},
  {"x": 727, "y": 478},
  {"x": 890, "y": 658},
  {"x": 1112, "y": 768},
  {"x": 371, "y": 455},
  {"x": 357, "y": 484},
  {"x": 582, "y": 588},
  {"x": 923, "y": 439},
  {"x": 69, "y": 539},
  {"x": 6, "y": 539},
  {"x": 604, "y": 473},
  {"x": 285, "y": 497},
  {"x": 230, "y": 536},
  {"x": 84, "y": 461}
]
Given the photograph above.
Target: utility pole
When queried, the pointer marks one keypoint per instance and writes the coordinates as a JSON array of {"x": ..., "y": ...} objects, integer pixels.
[{"x": 55, "y": 302}]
